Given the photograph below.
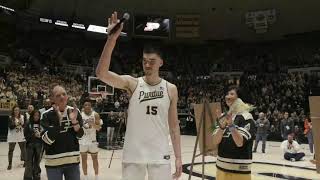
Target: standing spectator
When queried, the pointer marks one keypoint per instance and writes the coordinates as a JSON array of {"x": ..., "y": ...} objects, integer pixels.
[
  {"x": 15, "y": 135},
  {"x": 111, "y": 124},
  {"x": 88, "y": 144},
  {"x": 263, "y": 125},
  {"x": 99, "y": 105},
  {"x": 295, "y": 118},
  {"x": 308, "y": 132},
  {"x": 62, "y": 129},
  {"x": 291, "y": 149},
  {"x": 287, "y": 126},
  {"x": 298, "y": 134},
  {"x": 32, "y": 132},
  {"x": 47, "y": 105},
  {"x": 28, "y": 113}
]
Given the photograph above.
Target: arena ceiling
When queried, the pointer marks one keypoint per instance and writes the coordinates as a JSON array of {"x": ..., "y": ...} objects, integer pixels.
[{"x": 217, "y": 20}]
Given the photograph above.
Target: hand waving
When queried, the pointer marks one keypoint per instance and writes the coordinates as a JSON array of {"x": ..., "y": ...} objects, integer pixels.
[
  {"x": 74, "y": 114},
  {"x": 112, "y": 22}
]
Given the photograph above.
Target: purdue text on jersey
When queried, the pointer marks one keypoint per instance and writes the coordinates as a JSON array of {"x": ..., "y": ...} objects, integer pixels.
[{"x": 146, "y": 96}]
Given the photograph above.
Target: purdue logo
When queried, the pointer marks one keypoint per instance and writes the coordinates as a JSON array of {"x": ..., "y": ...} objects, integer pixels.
[
  {"x": 147, "y": 96},
  {"x": 65, "y": 125}
]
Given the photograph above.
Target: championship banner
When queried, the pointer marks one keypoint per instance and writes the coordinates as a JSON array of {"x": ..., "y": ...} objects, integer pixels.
[{"x": 187, "y": 26}]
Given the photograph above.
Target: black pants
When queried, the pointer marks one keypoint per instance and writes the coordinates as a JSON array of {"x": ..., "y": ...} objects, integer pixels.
[
  {"x": 33, "y": 170},
  {"x": 296, "y": 156},
  {"x": 12, "y": 145}
]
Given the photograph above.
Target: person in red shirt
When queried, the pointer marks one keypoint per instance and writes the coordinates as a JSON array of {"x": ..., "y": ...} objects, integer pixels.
[{"x": 308, "y": 132}]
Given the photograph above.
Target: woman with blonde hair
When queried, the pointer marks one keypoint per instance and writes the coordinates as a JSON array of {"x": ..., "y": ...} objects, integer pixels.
[{"x": 234, "y": 137}]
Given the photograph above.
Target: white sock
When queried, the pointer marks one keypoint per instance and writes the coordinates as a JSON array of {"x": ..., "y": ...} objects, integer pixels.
[
  {"x": 85, "y": 177},
  {"x": 97, "y": 177}
]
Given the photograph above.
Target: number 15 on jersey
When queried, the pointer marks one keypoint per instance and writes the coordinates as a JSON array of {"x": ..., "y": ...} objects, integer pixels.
[{"x": 152, "y": 110}]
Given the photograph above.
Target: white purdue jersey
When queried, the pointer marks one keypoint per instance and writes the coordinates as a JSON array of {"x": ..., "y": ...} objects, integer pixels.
[
  {"x": 89, "y": 136},
  {"x": 147, "y": 133}
]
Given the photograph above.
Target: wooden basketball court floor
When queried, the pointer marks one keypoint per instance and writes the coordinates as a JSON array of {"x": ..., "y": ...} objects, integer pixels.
[{"x": 266, "y": 167}]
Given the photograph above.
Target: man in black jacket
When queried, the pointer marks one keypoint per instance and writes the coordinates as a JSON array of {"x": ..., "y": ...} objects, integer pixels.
[{"x": 63, "y": 128}]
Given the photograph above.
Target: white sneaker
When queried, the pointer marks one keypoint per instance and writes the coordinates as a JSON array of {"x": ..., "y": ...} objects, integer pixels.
[{"x": 292, "y": 159}]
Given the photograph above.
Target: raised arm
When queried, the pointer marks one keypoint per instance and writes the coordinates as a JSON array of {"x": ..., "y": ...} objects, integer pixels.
[{"x": 103, "y": 69}]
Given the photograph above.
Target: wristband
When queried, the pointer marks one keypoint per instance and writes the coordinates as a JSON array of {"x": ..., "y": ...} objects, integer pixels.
[{"x": 231, "y": 127}]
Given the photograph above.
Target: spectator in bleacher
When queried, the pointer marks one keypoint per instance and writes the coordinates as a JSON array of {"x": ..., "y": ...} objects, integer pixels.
[
  {"x": 2, "y": 84},
  {"x": 295, "y": 117},
  {"x": 28, "y": 113},
  {"x": 10, "y": 95},
  {"x": 15, "y": 135},
  {"x": 287, "y": 126},
  {"x": 46, "y": 105},
  {"x": 298, "y": 134},
  {"x": 99, "y": 105}
]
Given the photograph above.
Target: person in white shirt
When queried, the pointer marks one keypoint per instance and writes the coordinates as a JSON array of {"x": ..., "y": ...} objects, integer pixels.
[
  {"x": 291, "y": 149},
  {"x": 88, "y": 143},
  {"x": 15, "y": 135}
]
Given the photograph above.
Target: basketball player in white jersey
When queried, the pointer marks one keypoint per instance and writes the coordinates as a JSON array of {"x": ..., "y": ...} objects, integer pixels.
[
  {"x": 152, "y": 115},
  {"x": 88, "y": 142}
]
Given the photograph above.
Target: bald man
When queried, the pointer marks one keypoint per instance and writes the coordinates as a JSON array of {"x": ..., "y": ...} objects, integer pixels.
[
  {"x": 263, "y": 125},
  {"x": 62, "y": 128}
]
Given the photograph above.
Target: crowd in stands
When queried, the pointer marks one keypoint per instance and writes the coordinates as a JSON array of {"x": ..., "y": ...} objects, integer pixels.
[
  {"x": 29, "y": 86},
  {"x": 268, "y": 85}
]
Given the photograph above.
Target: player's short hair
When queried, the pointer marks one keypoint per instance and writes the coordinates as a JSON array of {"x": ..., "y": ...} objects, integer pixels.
[{"x": 153, "y": 48}]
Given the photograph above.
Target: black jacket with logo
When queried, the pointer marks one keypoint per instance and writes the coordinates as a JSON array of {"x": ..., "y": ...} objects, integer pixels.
[
  {"x": 232, "y": 158},
  {"x": 62, "y": 146}
]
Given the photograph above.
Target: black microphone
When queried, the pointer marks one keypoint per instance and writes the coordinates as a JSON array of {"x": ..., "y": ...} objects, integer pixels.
[
  {"x": 221, "y": 119},
  {"x": 124, "y": 18}
]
